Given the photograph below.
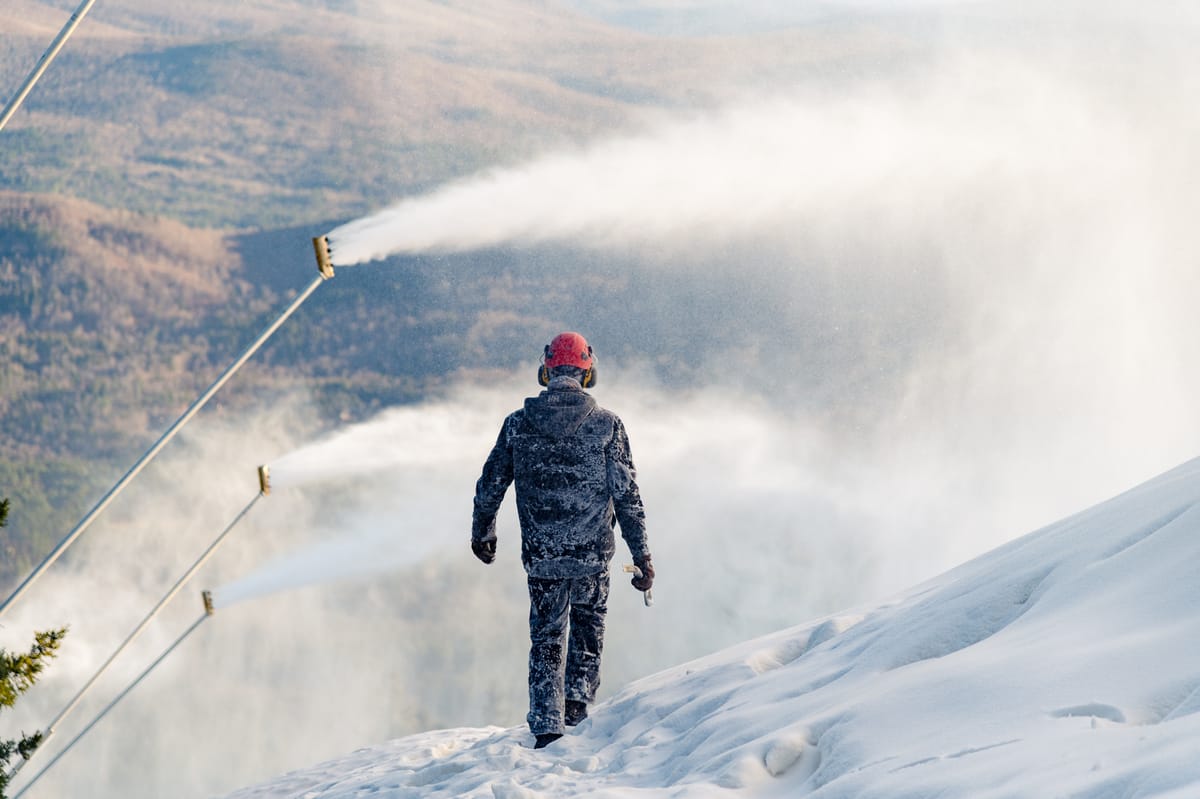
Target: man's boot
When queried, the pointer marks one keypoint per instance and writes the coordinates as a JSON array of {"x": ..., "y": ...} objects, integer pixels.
[
  {"x": 576, "y": 712},
  {"x": 546, "y": 738}
]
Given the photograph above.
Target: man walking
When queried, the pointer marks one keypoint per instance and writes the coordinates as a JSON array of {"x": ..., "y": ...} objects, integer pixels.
[{"x": 575, "y": 479}]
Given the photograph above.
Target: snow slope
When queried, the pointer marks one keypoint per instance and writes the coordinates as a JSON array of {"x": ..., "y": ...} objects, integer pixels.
[{"x": 1065, "y": 663}]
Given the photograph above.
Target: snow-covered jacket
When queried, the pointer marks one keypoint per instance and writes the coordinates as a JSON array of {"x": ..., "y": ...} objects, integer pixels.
[{"x": 575, "y": 478}]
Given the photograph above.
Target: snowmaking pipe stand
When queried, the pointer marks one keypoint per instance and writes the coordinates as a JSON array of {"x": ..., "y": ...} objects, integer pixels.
[
  {"x": 44, "y": 62},
  {"x": 264, "y": 480},
  {"x": 636, "y": 572},
  {"x": 207, "y": 598},
  {"x": 325, "y": 270}
]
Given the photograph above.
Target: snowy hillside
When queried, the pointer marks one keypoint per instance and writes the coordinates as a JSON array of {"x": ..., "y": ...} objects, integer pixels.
[{"x": 1066, "y": 663}]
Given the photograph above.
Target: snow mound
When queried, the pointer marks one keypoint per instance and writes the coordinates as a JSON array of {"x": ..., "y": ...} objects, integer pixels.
[{"x": 1066, "y": 662}]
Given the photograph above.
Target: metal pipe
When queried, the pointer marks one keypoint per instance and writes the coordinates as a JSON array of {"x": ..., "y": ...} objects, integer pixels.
[
  {"x": 636, "y": 572},
  {"x": 53, "y": 725},
  {"x": 44, "y": 62},
  {"x": 113, "y": 704},
  {"x": 162, "y": 442}
]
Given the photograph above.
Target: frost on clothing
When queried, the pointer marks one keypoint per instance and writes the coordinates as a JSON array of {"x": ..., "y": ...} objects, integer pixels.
[
  {"x": 553, "y": 678},
  {"x": 574, "y": 478}
]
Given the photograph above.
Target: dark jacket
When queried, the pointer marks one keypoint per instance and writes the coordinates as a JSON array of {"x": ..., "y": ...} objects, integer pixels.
[{"x": 574, "y": 479}]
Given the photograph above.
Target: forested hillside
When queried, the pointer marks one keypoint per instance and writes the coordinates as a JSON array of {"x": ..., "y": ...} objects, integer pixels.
[
  {"x": 110, "y": 321},
  {"x": 159, "y": 189},
  {"x": 270, "y": 114}
]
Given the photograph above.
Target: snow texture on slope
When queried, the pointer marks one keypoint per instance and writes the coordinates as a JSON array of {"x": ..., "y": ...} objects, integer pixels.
[{"x": 1064, "y": 663}]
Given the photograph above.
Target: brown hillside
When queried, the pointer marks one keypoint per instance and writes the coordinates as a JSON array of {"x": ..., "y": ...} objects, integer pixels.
[
  {"x": 146, "y": 259},
  {"x": 102, "y": 310},
  {"x": 269, "y": 114}
]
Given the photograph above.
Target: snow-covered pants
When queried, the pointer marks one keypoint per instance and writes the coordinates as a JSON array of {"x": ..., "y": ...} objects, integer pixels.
[{"x": 562, "y": 612}]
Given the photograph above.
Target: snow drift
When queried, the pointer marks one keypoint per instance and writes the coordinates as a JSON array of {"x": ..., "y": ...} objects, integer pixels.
[{"x": 1066, "y": 662}]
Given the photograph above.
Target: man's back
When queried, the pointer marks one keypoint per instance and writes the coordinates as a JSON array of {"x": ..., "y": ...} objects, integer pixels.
[
  {"x": 574, "y": 477},
  {"x": 560, "y": 442}
]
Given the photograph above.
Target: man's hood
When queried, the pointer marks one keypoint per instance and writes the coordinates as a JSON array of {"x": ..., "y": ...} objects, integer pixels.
[{"x": 559, "y": 410}]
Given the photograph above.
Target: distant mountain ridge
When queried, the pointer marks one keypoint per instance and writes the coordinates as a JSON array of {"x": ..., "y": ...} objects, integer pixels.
[{"x": 257, "y": 115}]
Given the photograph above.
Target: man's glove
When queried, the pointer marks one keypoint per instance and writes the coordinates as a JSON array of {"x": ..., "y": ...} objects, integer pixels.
[
  {"x": 484, "y": 550},
  {"x": 644, "y": 582},
  {"x": 483, "y": 536}
]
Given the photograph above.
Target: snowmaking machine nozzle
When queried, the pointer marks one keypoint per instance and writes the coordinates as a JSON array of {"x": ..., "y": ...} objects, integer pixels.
[
  {"x": 208, "y": 602},
  {"x": 264, "y": 480},
  {"x": 324, "y": 256}
]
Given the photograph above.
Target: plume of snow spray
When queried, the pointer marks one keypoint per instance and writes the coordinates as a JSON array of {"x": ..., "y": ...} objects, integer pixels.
[
  {"x": 401, "y": 467},
  {"x": 752, "y": 169}
]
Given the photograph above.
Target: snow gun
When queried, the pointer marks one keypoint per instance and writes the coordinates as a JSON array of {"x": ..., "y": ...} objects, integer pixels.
[
  {"x": 636, "y": 572},
  {"x": 324, "y": 256}
]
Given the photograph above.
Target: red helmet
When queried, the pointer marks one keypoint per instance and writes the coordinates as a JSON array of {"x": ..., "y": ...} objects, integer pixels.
[{"x": 568, "y": 349}]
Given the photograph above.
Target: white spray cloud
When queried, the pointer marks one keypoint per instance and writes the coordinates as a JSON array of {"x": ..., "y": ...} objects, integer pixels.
[
  {"x": 390, "y": 481},
  {"x": 910, "y": 148},
  {"x": 412, "y": 436}
]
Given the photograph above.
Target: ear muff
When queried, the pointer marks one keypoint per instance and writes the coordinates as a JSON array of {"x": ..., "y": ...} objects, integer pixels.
[
  {"x": 543, "y": 370},
  {"x": 589, "y": 376}
]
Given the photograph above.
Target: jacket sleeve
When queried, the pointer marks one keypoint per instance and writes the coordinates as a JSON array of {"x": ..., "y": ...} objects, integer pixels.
[
  {"x": 627, "y": 500},
  {"x": 491, "y": 487}
]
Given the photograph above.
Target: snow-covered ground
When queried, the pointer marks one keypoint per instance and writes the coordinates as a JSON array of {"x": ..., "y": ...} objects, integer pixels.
[{"x": 1065, "y": 663}]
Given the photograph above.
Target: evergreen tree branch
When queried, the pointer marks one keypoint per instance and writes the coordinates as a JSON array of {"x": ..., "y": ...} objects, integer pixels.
[{"x": 18, "y": 673}]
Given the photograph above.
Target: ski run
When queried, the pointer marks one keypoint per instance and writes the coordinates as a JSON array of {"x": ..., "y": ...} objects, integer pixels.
[{"x": 1063, "y": 664}]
